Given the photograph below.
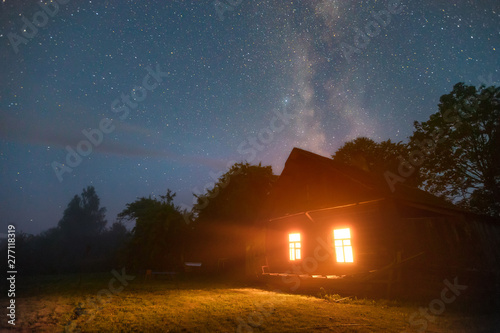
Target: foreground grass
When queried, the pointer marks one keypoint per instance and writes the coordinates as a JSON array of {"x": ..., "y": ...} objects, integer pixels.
[{"x": 69, "y": 304}]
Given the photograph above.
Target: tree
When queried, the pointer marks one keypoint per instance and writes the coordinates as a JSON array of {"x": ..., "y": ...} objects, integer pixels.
[
  {"x": 238, "y": 196},
  {"x": 226, "y": 214},
  {"x": 378, "y": 158},
  {"x": 79, "y": 229},
  {"x": 80, "y": 242},
  {"x": 83, "y": 217},
  {"x": 461, "y": 143},
  {"x": 111, "y": 246},
  {"x": 157, "y": 240}
]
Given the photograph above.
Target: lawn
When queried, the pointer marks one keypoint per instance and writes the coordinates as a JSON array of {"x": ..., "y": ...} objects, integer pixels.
[{"x": 101, "y": 303}]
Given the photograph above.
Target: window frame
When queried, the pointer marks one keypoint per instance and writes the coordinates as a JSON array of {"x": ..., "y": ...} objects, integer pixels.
[
  {"x": 341, "y": 242},
  {"x": 294, "y": 247}
]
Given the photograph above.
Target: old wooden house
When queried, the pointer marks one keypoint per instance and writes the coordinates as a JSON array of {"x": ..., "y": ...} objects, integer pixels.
[{"x": 337, "y": 225}]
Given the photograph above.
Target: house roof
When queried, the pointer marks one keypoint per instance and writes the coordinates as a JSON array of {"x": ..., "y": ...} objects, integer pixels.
[
  {"x": 303, "y": 165},
  {"x": 358, "y": 175}
]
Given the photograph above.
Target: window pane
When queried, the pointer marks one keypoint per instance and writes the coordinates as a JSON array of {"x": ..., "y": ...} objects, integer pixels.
[
  {"x": 338, "y": 243},
  {"x": 292, "y": 254},
  {"x": 294, "y": 237},
  {"x": 347, "y": 241},
  {"x": 341, "y": 233},
  {"x": 297, "y": 245},
  {"x": 340, "y": 253},
  {"x": 297, "y": 253},
  {"x": 348, "y": 254}
]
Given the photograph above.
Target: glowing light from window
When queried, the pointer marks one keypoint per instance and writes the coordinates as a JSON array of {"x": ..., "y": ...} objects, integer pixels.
[
  {"x": 342, "y": 233},
  {"x": 343, "y": 247},
  {"x": 294, "y": 246}
]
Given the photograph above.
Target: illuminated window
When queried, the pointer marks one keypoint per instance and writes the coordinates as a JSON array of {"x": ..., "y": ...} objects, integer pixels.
[
  {"x": 294, "y": 245},
  {"x": 343, "y": 247}
]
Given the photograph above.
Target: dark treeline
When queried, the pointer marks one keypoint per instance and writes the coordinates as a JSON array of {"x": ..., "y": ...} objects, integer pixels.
[
  {"x": 454, "y": 155},
  {"x": 81, "y": 242}
]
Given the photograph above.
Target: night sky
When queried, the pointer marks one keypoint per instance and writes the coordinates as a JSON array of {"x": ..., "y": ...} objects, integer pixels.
[{"x": 180, "y": 90}]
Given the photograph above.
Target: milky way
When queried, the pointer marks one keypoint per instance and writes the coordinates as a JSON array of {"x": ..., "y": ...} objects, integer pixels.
[{"x": 239, "y": 81}]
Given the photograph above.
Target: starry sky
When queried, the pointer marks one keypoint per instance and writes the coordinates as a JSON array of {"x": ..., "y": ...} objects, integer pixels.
[{"x": 134, "y": 97}]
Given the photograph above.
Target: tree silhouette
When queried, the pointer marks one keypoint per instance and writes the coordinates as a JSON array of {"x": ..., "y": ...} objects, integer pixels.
[
  {"x": 158, "y": 237},
  {"x": 80, "y": 242},
  {"x": 226, "y": 213},
  {"x": 83, "y": 217},
  {"x": 462, "y": 147},
  {"x": 366, "y": 154},
  {"x": 79, "y": 229},
  {"x": 237, "y": 196}
]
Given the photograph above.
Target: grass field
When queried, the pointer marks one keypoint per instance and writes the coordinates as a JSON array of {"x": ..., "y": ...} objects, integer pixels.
[{"x": 101, "y": 303}]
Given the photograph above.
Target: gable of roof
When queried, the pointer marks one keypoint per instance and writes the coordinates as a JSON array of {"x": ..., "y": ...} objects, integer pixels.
[{"x": 337, "y": 183}]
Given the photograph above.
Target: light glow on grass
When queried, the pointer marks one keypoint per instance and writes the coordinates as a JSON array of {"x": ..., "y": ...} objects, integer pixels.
[{"x": 196, "y": 306}]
